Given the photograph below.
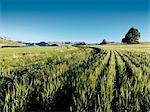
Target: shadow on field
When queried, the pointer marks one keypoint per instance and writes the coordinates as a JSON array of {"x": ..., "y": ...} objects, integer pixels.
[{"x": 63, "y": 97}]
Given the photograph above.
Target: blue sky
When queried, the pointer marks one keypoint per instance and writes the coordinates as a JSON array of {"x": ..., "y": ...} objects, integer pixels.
[{"x": 73, "y": 20}]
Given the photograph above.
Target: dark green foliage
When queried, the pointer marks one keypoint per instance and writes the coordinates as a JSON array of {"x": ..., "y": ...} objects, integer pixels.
[
  {"x": 104, "y": 42},
  {"x": 80, "y": 43},
  {"x": 132, "y": 37}
]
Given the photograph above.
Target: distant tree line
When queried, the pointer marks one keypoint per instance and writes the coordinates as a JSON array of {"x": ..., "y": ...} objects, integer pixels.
[{"x": 131, "y": 37}]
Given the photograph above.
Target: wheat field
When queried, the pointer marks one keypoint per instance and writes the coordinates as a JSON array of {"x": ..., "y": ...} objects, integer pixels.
[{"x": 106, "y": 78}]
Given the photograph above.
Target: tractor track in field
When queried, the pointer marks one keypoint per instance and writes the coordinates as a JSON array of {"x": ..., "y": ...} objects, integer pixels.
[
  {"x": 71, "y": 75},
  {"x": 92, "y": 79},
  {"x": 128, "y": 69}
]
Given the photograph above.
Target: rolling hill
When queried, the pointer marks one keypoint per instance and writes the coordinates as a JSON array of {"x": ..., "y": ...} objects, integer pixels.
[{"x": 7, "y": 42}]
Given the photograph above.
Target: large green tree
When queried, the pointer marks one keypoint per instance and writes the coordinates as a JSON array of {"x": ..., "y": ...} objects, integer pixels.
[{"x": 132, "y": 37}]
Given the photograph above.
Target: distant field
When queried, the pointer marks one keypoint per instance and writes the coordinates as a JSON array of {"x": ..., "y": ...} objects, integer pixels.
[
  {"x": 87, "y": 78},
  {"x": 145, "y": 42}
]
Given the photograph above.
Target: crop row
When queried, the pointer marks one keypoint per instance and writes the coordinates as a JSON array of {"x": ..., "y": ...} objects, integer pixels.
[{"x": 95, "y": 78}]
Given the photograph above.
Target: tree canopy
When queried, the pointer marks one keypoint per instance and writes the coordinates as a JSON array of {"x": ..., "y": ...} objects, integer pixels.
[
  {"x": 132, "y": 36},
  {"x": 104, "y": 42}
]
